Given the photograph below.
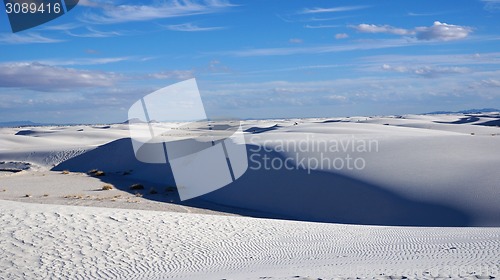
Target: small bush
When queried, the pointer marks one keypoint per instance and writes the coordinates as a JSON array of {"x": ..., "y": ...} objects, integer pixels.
[
  {"x": 27, "y": 195},
  {"x": 75, "y": 196},
  {"x": 107, "y": 187},
  {"x": 138, "y": 194},
  {"x": 170, "y": 189},
  {"x": 152, "y": 191},
  {"x": 137, "y": 187},
  {"x": 96, "y": 173}
]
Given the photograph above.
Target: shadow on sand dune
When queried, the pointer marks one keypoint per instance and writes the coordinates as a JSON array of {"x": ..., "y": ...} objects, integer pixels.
[
  {"x": 490, "y": 123},
  {"x": 461, "y": 120},
  {"x": 258, "y": 130},
  {"x": 296, "y": 195}
]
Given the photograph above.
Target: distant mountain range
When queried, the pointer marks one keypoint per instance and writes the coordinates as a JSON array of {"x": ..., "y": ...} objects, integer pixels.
[{"x": 469, "y": 111}]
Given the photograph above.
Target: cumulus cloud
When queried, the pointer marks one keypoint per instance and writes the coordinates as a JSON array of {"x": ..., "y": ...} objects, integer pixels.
[
  {"x": 426, "y": 71},
  {"x": 437, "y": 32},
  {"x": 442, "y": 32},
  {"x": 41, "y": 77}
]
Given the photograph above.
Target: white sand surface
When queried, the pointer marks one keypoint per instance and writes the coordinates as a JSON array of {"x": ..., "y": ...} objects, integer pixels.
[
  {"x": 425, "y": 205},
  {"x": 75, "y": 242}
]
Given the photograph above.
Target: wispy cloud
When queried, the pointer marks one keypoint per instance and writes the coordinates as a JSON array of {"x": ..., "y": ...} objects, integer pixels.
[
  {"x": 41, "y": 77},
  {"x": 321, "y": 26},
  {"x": 426, "y": 71},
  {"x": 190, "y": 27},
  {"x": 341, "y": 36},
  {"x": 298, "y": 68},
  {"x": 412, "y": 14},
  {"x": 173, "y": 74},
  {"x": 94, "y": 33},
  {"x": 491, "y": 82},
  {"x": 110, "y": 13},
  {"x": 437, "y": 32},
  {"x": 448, "y": 59},
  {"x": 296, "y": 41},
  {"x": 61, "y": 27},
  {"x": 373, "y": 44},
  {"x": 331, "y": 10},
  {"x": 27, "y": 38},
  {"x": 491, "y": 5},
  {"x": 86, "y": 61}
]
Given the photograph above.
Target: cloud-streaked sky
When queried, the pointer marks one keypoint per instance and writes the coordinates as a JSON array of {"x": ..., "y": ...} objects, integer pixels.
[{"x": 255, "y": 59}]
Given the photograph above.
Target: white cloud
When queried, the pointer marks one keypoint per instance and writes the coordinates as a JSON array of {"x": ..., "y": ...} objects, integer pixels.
[
  {"x": 41, "y": 77},
  {"x": 86, "y": 61},
  {"x": 27, "y": 38},
  {"x": 126, "y": 13},
  {"x": 93, "y": 33},
  {"x": 441, "y": 59},
  {"x": 426, "y": 71},
  {"x": 332, "y": 10},
  {"x": 491, "y": 83},
  {"x": 374, "y": 44},
  {"x": 341, "y": 36},
  {"x": 174, "y": 74},
  {"x": 491, "y": 5},
  {"x": 61, "y": 27},
  {"x": 372, "y": 28},
  {"x": 189, "y": 27},
  {"x": 321, "y": 26},
  {"x": 437, "y": 32},
  {"x": 296, "y": 41},
  {"x": 443, "y": 32}
]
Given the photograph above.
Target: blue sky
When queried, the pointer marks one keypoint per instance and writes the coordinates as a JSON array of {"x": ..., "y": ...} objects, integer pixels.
[{"x": 254, "y": 59}]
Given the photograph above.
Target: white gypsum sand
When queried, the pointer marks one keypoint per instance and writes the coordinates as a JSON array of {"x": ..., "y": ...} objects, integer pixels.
[
  {"x": 71, "y": 242},
  {"x": 428, "y": 171}
]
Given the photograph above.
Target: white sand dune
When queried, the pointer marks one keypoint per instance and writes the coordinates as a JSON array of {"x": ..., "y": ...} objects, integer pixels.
[
  {"x": 69, "y": 242},
  {"x": 437, "y": 172}
]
